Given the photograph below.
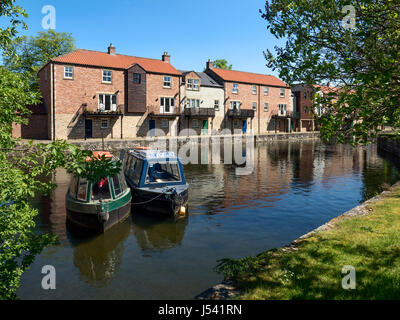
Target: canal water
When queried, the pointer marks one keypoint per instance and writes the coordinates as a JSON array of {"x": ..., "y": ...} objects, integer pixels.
[{"x": 294, "y": 188}]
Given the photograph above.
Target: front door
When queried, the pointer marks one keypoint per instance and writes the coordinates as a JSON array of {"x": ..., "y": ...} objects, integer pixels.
[
  {"x": 205, "y": 127},
  {"x": 152, "y": 126},
  {"x": 88, "y": 128},
  {"x": 244, "y": 126}
]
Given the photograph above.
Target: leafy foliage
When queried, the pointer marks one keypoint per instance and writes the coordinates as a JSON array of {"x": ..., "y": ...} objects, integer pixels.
[
  {"x": 24, "y": 165},
  {"x": 29, "y": 55},
  {"x": 222, "y": 64},
  {"x": 362, "y": 61}
]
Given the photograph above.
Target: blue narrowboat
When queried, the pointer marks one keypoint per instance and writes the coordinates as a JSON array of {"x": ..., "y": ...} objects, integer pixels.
[{"x": 157, "y": 181}]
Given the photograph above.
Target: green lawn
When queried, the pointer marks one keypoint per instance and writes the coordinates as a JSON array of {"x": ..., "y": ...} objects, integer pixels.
[{"x": 369, "y": 243}]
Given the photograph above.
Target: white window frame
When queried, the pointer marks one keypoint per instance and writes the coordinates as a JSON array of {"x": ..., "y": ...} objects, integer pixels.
[
  {"x": 163, "y": 104},
  {"x": 70, "y": 73},
  {"x": 216, "y": 105},
  {"x": 282, "y": 109},
  {"x": 167, "y": 82},
  {"x": 192, "y": 103},
  {"x": 112, "y": 98},
  {"x": 196, "y": 84},
  {"x": 254, "y": 106},
  {"x": 235, "y": 105},
  {"x": 104, "y": 121},
  {"x": 283, "y": 93},
  {"x": 266, "y": 106},
  {"x": 107, "y": 76},
  {"x": 266, "y": 91},
  {"x": 235, "y": 88},
  {"x": 254, "y": 89}
]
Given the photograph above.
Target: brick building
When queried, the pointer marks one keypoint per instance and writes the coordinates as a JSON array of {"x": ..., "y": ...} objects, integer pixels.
[
  {"x": 254, "y": 101},
  {"x": 305, "y": 107},
  {"x": 90, "y": 94}
]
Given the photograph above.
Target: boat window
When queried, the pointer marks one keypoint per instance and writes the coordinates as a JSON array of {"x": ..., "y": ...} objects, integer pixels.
[
  {"x": 82, "y": 189},
  {"x": 163, "y": 172},
  {"x": 123, "y": 182},
  {"x": 127, "y": 164},
  {"x": 136, "y": 171},
  {"x": 101, "y": 190},
  {"x": 73, "y": 187},
  {"x": 117, "y": 185}
]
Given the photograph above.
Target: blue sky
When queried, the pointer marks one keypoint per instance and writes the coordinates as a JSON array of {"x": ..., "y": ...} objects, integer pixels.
[{"x": 191, "y": 31}]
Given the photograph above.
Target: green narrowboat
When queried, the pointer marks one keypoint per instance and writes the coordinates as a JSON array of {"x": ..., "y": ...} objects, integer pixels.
[{"x": 98, "y": 206}]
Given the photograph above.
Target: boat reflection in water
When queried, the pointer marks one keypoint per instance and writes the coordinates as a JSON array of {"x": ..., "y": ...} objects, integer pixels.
[
  {"x": 155, "y": 235},
  {"x": 98, "y": 257}
]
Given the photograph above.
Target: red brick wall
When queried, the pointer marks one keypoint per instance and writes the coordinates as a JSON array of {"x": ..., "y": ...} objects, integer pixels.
[
  {"x": 84, "y": 88},
  {"x": 155, "y": 89},
  {"x": 246, "y": 96},
  {"x": 37, "y": 128}
]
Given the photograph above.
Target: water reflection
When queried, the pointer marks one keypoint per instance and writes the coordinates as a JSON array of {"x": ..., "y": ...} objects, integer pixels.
[
  {"x": 98, "y": 257},
  {"x": 158, "y": 236},
  {"x": 294, "y": 188}
]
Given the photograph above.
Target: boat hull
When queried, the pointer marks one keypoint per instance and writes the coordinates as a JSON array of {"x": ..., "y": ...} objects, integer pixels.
[
  {"x": 163, "y": 205},
  {"x": 86, "y": 215}
]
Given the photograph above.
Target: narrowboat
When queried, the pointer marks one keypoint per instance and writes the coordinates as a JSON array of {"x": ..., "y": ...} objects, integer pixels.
[
  {"x": 157, "y": 181},
  {"x": 100, "y": 205}
]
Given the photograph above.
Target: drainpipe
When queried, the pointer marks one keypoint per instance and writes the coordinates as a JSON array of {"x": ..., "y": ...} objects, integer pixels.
[
  {"x": 259, "y": 108},
  {"x": 54, "y": 103}
]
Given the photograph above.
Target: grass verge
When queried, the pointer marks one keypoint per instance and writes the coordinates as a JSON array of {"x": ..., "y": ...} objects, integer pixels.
[{"x": 312, "y": 269}]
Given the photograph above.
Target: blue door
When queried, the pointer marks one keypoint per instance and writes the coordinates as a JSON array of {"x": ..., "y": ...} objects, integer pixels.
[
  {"x": 244, "y": 126},
  {"x": 152, "y": 125}
]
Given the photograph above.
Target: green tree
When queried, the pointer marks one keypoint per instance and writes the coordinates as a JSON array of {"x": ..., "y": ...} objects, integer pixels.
[
  {"x": 28, "y": 55},
  {"x": 322, "y": 45},
  {"x": 23, "y": 165},
  {"x": 222, "y": 64}
]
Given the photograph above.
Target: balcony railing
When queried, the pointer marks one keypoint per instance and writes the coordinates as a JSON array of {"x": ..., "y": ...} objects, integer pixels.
[
  {"x": 287, "y": 114},
  {"x": 163, "y": 111},
  {"x": 114, "y": 110},
  {"x": 199, "y": 112},
  {"x": 242, "y": 113}
]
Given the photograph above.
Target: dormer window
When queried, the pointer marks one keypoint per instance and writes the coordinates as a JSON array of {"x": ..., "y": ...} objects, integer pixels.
[
  {"x": 193, "y": 84},
  {"x": 107, "y": 76},
  {"x": 136, "y": 78},
  {"x": 68, "y": 72}
]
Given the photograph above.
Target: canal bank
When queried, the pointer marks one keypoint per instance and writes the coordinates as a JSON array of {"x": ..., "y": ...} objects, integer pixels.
[
  {"x": 366, "y": 238},
  {"x": 120, "y": 144}
]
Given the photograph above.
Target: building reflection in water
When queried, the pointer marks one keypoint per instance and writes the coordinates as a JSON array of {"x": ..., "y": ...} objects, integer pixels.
[{"x": 289, "y": 182}]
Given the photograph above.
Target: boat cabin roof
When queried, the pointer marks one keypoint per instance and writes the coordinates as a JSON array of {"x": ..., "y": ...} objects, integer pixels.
[{"x": 154, "y": 155}]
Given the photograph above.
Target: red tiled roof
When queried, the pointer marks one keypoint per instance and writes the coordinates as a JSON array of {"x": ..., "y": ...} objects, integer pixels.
[
  {"x": 326, "y": 89},
  {"x": 248, "y": 77},
  {"x": 118, "y": 61}
]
